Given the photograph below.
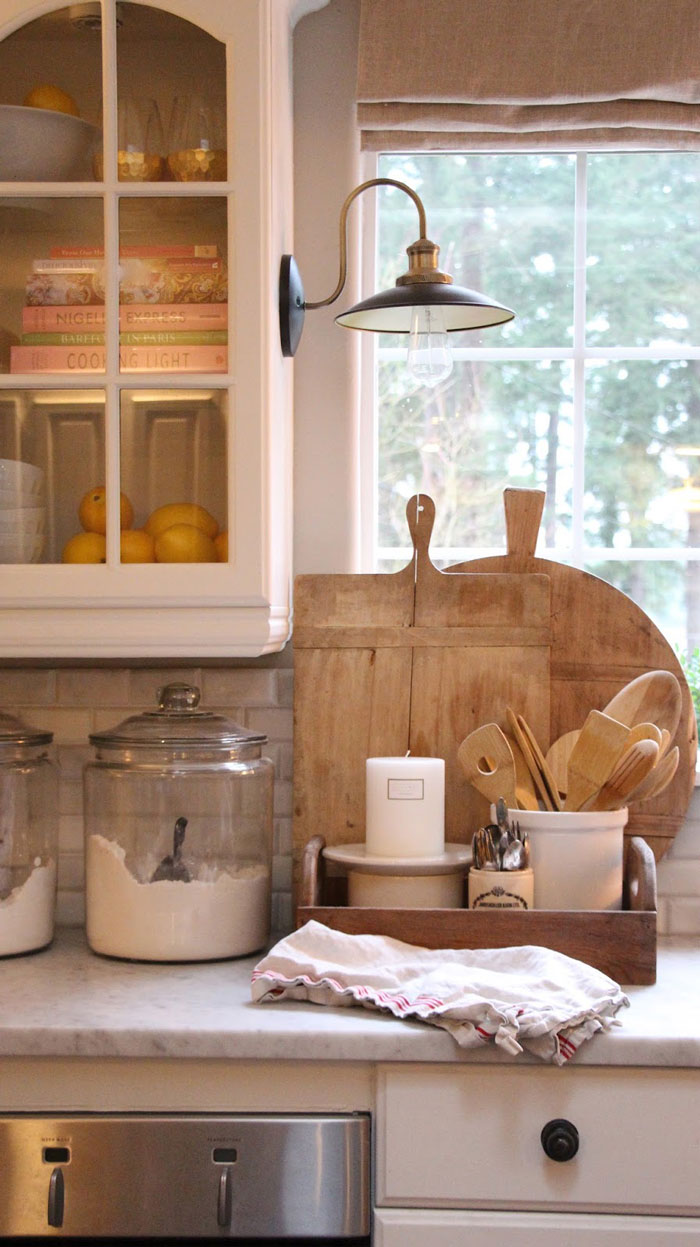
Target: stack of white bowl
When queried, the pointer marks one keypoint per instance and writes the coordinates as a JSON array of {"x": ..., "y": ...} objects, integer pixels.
[{"x": 22, "y": 512}]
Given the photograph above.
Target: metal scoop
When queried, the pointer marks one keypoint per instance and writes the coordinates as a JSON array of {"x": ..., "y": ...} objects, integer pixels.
[{"x": 172, "y": 867}]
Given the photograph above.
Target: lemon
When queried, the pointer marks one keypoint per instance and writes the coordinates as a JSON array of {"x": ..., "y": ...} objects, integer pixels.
[
  {"x": 46, "y": 95},
  {"x": 221, "y": 546},
  {"x": 136, "y": 546},
  {"x": 92, "y": 511},
  {"x": 85, "y": 548},
  {"x": 183, "y": 543},
  {"x": 181, "y": 513}
]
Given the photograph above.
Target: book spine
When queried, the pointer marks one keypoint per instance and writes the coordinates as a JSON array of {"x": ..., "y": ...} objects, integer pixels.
[
  {"x": 75, "y": 265},
  {"x": 67, "y": 359},
  {"x": 66, "y": 319},
  {"x": 63, "y": 288},
  {"x": 143, "y": 337},
  {"x": 63, "y": 339},
  {"x": 175, "y": 250},
  {"x": 132, "y": 316}
]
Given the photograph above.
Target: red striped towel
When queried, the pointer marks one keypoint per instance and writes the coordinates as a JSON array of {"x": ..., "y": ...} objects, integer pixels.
[{"x": 524, "y": 998}]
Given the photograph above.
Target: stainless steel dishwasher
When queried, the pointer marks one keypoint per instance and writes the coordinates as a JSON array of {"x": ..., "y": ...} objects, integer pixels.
[{"x": 290, "y": 1178}]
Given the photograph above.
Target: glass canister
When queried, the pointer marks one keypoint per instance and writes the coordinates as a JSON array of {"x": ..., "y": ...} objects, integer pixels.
[
  {"x": 178, "y": 826},
  {"x": 28, "y": 837}
]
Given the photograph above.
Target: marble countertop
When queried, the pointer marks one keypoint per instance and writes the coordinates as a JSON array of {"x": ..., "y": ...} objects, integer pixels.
[{"x": 66, "y": 1001}]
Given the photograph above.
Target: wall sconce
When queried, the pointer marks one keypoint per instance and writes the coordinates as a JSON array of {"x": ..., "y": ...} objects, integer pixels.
[{"x": 424, "y": 303}]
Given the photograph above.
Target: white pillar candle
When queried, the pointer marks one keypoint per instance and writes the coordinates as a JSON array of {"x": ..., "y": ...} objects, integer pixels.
[{"x": 405, "y": 807}]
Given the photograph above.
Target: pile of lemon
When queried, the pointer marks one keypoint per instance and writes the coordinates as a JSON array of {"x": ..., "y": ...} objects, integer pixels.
[{"x": 179, "y": 532}]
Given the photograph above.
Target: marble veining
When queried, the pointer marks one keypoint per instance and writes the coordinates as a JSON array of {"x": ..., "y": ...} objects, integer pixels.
[{"x": 66, "y": 1001}]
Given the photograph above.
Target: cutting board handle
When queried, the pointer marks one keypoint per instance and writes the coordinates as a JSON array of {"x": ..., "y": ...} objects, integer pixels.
[
  {"x": 420, "y": 517},
  {"x": 523, "y": 509}
]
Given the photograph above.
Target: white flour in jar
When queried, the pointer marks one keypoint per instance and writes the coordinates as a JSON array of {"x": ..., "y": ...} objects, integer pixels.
[
  {"x": 225, "y": 916},
  {"x": 27, "y": 914}
]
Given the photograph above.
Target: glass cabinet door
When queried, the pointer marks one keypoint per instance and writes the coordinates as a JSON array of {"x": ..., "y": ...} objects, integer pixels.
[{"x": 136, "y": 435}]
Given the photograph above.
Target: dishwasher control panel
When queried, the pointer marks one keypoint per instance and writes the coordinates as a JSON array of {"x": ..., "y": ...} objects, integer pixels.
[{"x": 185, "y": 1176}]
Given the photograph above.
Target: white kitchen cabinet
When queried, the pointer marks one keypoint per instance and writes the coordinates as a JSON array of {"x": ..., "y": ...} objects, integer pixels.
[
  {"x": 219, "y": 437},
  {"x": 460, "y": 1157},
  {"x": 529, "y": 1229}
]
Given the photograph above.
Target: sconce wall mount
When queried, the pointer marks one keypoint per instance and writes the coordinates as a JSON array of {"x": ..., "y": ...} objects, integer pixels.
[{"x": 393, "y": 310}]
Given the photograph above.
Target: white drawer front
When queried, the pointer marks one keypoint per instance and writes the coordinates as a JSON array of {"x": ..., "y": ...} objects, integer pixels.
[
  {"x": 530, "y": 1229},
  {"x": 470, "y": 1137}
]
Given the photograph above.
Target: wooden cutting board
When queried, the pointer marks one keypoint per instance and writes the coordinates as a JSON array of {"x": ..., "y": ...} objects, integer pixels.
[
  {"x": 600, "y": 640},
  {"x": 410, "y": 661}
]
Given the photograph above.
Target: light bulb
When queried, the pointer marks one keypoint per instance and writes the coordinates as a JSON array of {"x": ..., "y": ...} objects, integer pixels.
[{"x": 429, "y": 358}]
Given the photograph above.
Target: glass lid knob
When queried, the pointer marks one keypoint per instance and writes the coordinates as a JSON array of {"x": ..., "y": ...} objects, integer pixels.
[{"x": 178, "y": 697}]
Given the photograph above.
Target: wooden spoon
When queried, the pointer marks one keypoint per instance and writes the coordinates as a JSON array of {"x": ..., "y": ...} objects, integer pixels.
[
  {"x": 593, "y": 758},
  {"x": 541, "y": 763},
  {"x": 654, "y": 697},
  {"x": 634, "y": 765},
  {"x": 536, "y": 775},
  {"x": 525, "y": 793},
  {"x": 486, "y": 759},
  {"x": 557, "y": 758},
  {"x": 659, "y": 776},
  {"x": 645, "y": 731}
]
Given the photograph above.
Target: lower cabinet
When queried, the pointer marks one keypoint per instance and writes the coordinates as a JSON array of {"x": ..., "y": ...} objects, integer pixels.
[
  {"x": 415, "y": 1228},
  {"x": 475, "y": 1154}
]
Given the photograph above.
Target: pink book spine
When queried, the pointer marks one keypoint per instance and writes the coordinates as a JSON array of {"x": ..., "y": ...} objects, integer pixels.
[
  {"x": 131, "y": 358},
  {"x": 177, "y": 250},
  {"x": 61, "y": 318}
]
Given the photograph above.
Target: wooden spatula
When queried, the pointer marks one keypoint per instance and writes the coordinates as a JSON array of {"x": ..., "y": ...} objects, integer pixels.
[
  {"x": 654, "y": 697},
  {"x": 525, "y": 793},
  {"x": 593, "y": 758},
  {"x": 486, "y": 759},
  {"x": 524, "y": 745},
  {"x": 557, "y": 758},
  {"x": 634, "y": 765}
]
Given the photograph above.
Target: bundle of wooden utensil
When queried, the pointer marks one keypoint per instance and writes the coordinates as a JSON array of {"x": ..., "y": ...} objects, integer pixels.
[{"x": 619, "y": 756}]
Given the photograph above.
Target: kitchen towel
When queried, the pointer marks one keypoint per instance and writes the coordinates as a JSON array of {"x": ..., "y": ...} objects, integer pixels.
[{"x": 525, "y": 998}]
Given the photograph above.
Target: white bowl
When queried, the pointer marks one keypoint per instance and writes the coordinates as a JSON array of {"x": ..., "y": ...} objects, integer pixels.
[
  {"x": 22, "y": 520},
  {"x": 40, "y": 145},
  {"x": 21, "y": 547},
  {"x": 23, "y": 479}
]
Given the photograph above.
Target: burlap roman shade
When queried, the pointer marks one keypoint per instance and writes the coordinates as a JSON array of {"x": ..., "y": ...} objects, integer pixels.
[{"x": 561, "y": 74}]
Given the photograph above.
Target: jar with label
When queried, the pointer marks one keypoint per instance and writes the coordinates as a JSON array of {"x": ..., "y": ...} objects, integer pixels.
[
  {"x": 28, "y": 837},
  {"x": 178, "y": 826}
]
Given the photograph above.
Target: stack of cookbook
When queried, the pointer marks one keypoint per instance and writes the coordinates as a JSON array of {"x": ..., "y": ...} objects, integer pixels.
[{"x": 173, "y": 311}]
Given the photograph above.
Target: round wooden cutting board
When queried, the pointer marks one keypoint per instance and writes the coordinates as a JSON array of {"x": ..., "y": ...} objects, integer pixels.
[{"x": 600, "y": 641}]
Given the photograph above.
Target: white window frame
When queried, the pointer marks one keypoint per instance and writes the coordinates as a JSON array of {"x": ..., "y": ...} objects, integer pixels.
[{"x": 577, "y": 553}]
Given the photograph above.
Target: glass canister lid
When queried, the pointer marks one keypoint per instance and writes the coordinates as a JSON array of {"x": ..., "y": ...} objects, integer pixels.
[
  {"x": 178, "y": 721},
  {"x": 14, "y": 732}
]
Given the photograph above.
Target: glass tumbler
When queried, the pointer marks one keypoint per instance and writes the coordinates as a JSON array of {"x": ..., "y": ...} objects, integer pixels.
[
  {"x": 196, "y": 140},
  {"x": 140, "y": 141}
]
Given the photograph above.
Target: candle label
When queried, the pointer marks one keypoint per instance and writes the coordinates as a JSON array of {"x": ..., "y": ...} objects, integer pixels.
[{"x": 405, "y": 789}]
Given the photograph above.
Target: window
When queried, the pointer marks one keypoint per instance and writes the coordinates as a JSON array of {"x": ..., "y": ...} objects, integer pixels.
[{"x": 593, "y": 391}]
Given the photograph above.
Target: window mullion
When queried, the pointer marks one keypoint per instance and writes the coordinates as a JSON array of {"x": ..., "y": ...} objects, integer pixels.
[{"x": 579, "y": 379}]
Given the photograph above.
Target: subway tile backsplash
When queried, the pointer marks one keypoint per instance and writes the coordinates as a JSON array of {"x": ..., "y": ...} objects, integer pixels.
[{"x": 72, "y": 702}]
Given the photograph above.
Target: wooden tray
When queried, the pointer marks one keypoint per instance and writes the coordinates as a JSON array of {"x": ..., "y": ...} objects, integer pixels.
[{"x": 620, "y": 943}]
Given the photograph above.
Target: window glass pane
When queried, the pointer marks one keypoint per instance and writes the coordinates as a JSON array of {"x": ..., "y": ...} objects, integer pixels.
[
  {"x": 642, "y": 452},
  {"x": 52, "y": 447},
  {"x": 643, "y": 283},
  {"x": 668, "y": 591},
  {"x": 504, "y": 226},
  {"x": 493, "y": 425}
]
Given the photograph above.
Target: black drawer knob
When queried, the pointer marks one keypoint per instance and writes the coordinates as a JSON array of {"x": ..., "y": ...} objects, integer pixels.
[{"x": 560, "y": 1139}]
